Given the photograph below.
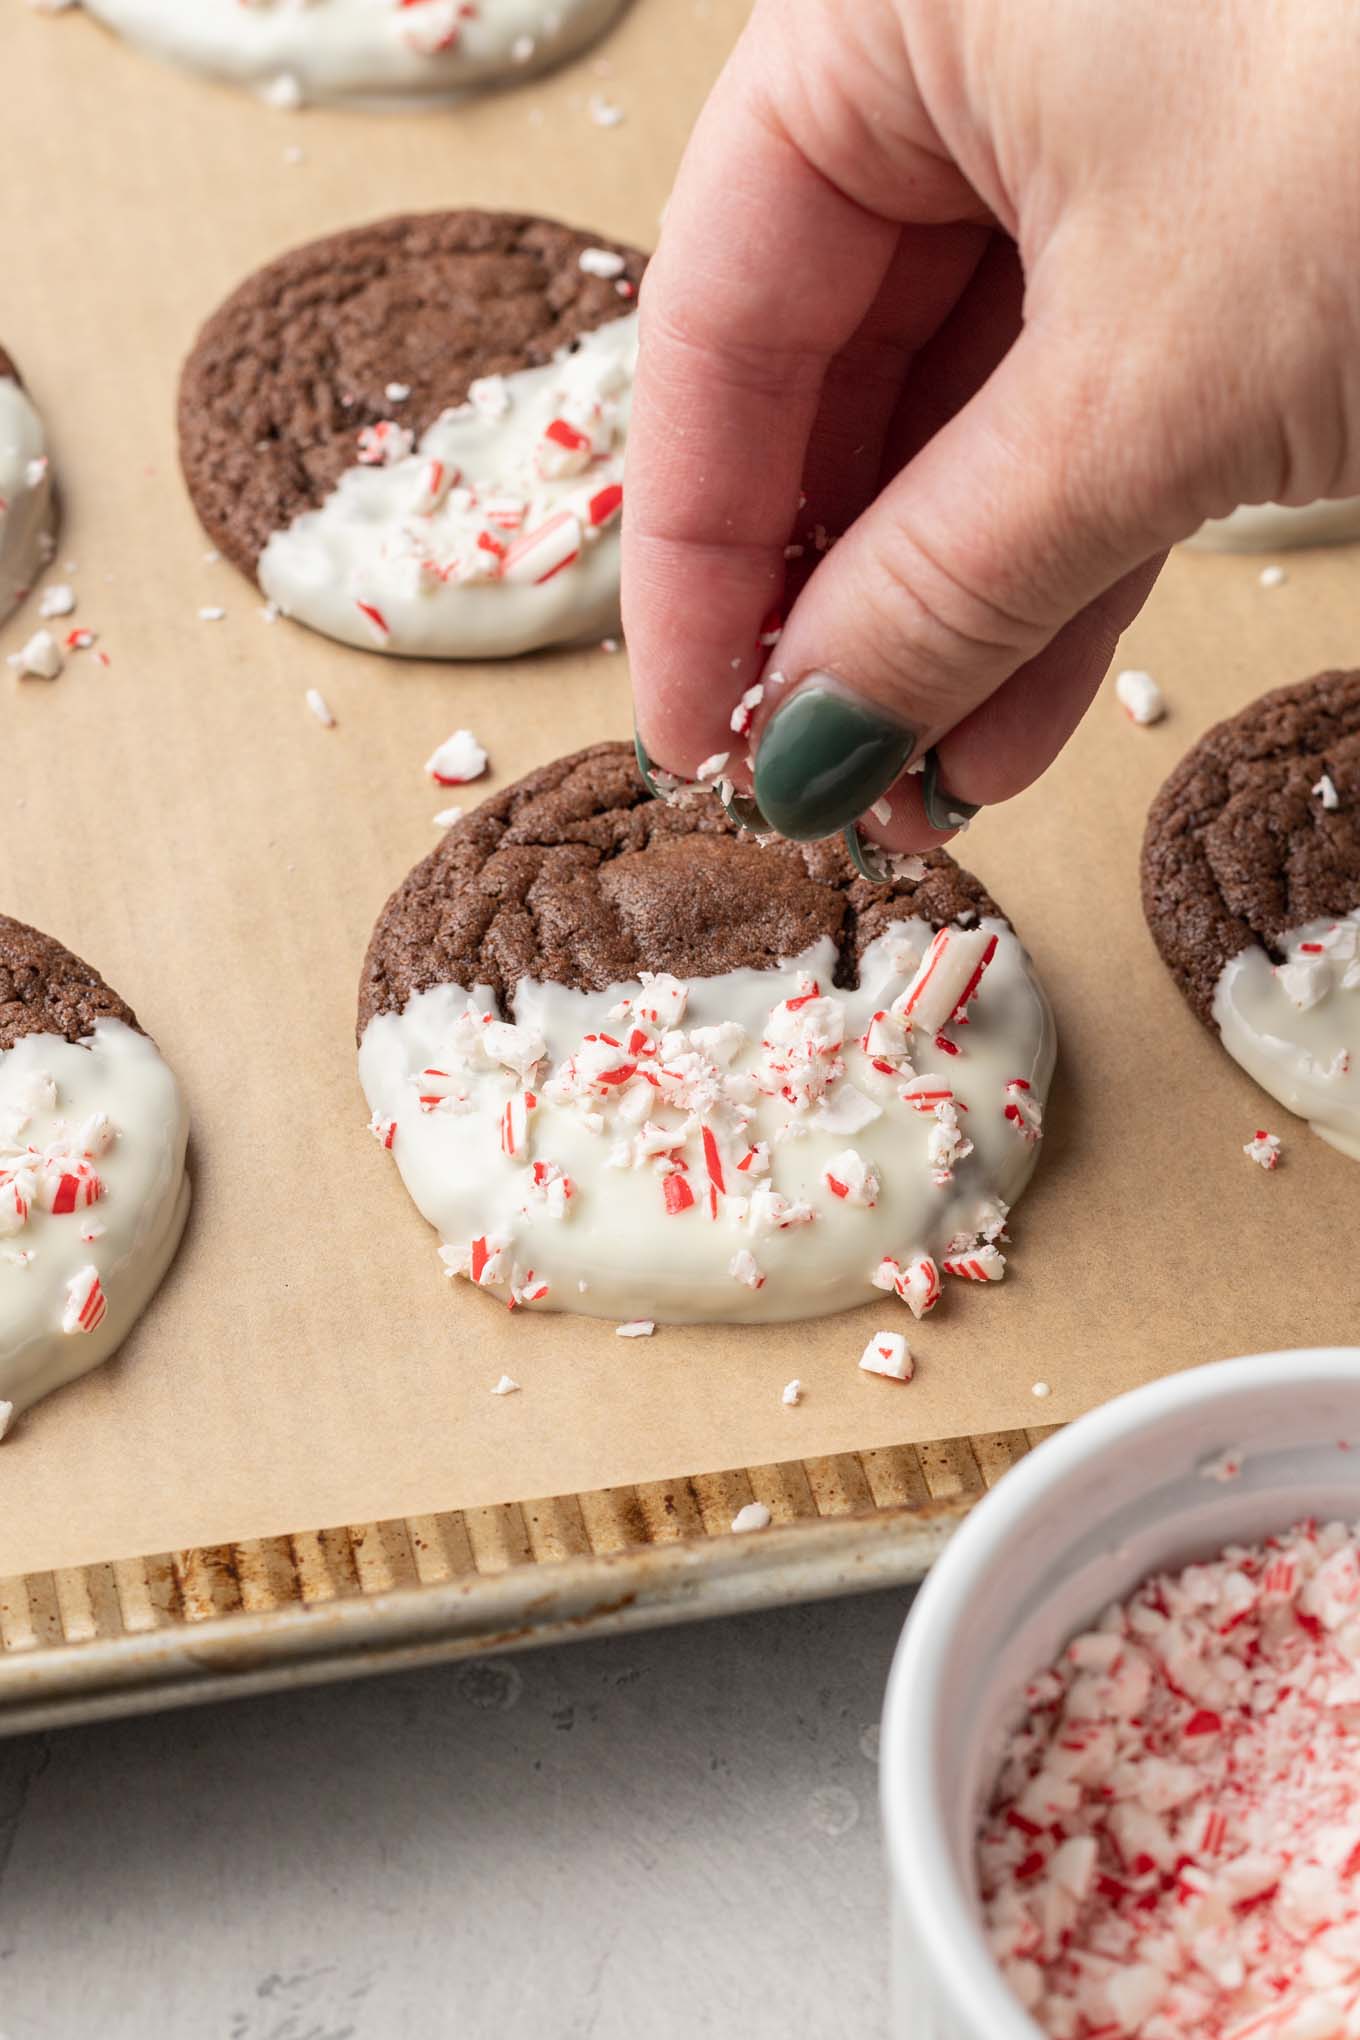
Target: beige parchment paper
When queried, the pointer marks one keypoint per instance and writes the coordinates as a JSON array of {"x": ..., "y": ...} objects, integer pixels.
[{"x": 181, "y": 819}]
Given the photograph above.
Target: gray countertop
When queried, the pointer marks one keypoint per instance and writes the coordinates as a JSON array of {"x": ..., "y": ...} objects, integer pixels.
[{"x": 674, "y": 1834}]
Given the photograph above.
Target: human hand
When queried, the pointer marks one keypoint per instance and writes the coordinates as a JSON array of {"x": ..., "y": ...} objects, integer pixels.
[{"x": 1015, "y": 293}]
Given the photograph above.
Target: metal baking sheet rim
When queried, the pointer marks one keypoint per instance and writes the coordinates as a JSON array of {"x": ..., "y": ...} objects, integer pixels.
[{"x": 404, "y": 1628}]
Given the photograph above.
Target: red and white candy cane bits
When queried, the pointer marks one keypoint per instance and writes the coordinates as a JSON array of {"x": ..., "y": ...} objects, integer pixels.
[{"x": 1172, "y": 1848}]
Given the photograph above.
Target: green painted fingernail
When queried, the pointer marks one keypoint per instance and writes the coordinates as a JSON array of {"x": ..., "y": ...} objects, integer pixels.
[
  {"x": 825, "y": 757},
  {"x": 744, "y": 810},
  {"x": 866, "y": 857},
  {"x": 943, "y": 810},
  {"x": 644, "y": 766}
]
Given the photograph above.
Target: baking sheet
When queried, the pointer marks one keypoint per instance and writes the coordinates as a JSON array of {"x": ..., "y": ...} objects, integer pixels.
[{"x": 181, "y": 819}]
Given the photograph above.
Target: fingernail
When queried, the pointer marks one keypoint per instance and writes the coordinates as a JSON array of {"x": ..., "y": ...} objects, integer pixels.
[
  {"x": 943, "y": 810},
  {"x": 744, "y": 810},
  {"x": 644, "y": 766},
  {"x": 826, "y": 756},
  {"x": 865, "y": 857}
]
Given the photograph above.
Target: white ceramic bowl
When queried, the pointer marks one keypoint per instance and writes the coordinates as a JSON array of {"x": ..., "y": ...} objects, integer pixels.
[{"x": 1115, "y": 1496}]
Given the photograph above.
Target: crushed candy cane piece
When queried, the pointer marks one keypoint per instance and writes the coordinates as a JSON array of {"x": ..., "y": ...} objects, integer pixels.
[
  {"x": 320, "y": 708},
  {"x": 1042, "y": 1390},
  {"x": 57, "y": 600},
  {"x": 791, "y": 1396},
  {"x": 636, "y": 1328},
  {"x": 1325, "y": 791},
  {"x": 1273, "y": 577},
  {"x": 754, "y": 1516},
  {"x": 1139, "y": 696},
  {"x": 980, "y": 1264},
  {"x": 948, "y": 979},
  {"x": 86, "y": 1304},
  {"x": 507, "y": 1385},
  {"x": 1223, "y": 1466},
  {"x": 888, "y": 1353},
  {"x": 1022, "y": 1110},
  {"x": 851, "y": 1179},
  {"x": 601, "y": 262},
  {"x": 39, "y": 659},
  {"x": 447, "y": 816},
  {"x": 459, "y": 759},
  {"x": 744, "y": 1268},
  {"x": 743, "y": 715},
  {"x": 1264, "y": 1148}
]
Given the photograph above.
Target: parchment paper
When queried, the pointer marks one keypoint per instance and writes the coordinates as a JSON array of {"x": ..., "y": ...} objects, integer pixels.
[{"x": 181, "y": 819}]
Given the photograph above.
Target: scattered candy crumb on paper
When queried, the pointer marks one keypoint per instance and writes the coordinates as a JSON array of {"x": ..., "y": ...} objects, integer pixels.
[
  {"x": 458, "y": 760},
  {"x": 754, "y": 1516},
  {"x": 1139, "y": 696},
  {"x": 1264, "y": 1148},
  {"x": 888, "y": 1353}
]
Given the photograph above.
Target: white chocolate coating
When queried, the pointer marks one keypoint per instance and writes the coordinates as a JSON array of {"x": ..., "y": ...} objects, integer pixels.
[
  {"x": 291, "y": 51},
  {"x": 25, "y": 496},
  {"x": 437, "y": 553},
  {"x": 1274, "y": 527},
  {"x": 610, "y": 1248},
  {"x": 51, "y": 1094},
  {"x": 1295, "y": 1028}
]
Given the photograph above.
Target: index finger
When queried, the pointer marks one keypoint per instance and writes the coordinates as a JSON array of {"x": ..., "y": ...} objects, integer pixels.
[{"x": 764, "y": 272}]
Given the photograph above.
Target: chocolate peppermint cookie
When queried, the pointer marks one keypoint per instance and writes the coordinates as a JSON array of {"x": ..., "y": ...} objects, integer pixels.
[
  {"x": 1251, "y": 887},
  {"x": 93, "y": 1193},
  {"x": 633, "y": 1062},
  {"x": 412, "y": 434},
  {"x": 26, "y": 504}
]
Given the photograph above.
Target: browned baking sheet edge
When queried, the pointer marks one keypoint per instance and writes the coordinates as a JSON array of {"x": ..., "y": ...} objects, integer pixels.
[{"x": 131, "y": 1636}]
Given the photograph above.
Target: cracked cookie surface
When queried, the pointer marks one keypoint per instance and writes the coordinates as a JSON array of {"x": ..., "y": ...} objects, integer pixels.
[
  {"x": 45, "y": 989},
  {"x": 576, "y": 876}
]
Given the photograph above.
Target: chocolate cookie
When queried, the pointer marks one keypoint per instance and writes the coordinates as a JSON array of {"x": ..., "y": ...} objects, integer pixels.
[
  {"x": 93, "y": 1193},
  {"x": 589, "y": 1005},
  {"x": 1240, "y": 847},
  {"x": 408, "y": 431},
  {"x": 44, "y": 989},
  {"x": 576, "y": 876},
  {"x": 26, "y": 502}
]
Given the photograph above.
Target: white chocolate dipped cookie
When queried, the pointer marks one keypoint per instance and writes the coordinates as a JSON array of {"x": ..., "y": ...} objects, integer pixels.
[
  {"x": 374, "y": 51},
  {"x": 632, "y": 1063},
  {"x": 26, "y": 503},
  {"x": 1277, "y": 527},
  {"x": 1251, "y": 886},
  {"x": 93, "y": 1191},
  {"x": 411, "y": 435}
]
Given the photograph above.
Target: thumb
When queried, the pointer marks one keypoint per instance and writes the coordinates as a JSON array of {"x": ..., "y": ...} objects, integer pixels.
[{"x": 1019, "y": 514}]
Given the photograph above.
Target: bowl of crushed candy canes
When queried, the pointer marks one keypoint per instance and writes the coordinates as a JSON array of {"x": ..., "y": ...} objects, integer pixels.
[{"x": 1121, "y": 1744}]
